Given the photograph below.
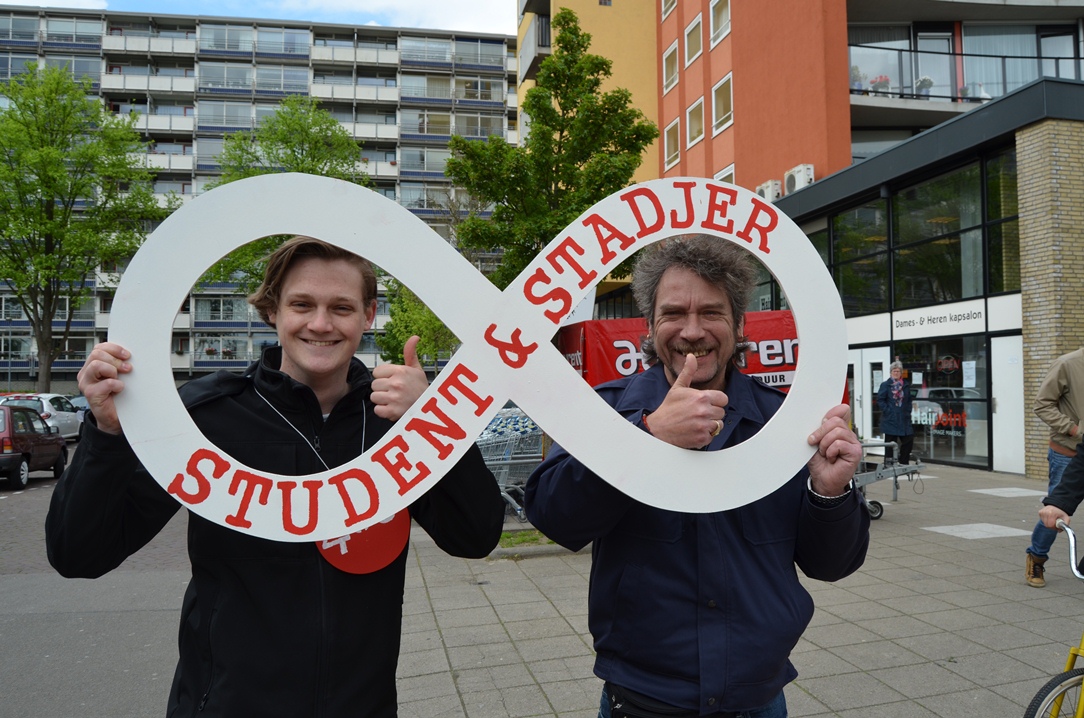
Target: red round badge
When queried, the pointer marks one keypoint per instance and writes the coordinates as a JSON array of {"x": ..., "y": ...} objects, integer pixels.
[{"x": 371, "y": 549}]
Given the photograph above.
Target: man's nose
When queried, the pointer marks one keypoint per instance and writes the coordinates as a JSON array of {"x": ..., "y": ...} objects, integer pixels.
[
  {"x": 692, "y": 326},
  {"x": 321, "y": 320}
]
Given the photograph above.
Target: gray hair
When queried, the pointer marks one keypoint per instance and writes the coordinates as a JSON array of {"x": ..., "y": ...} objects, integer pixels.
[
  {"x": 895, "y": 365},
  {"x": 716, "y": 261}
]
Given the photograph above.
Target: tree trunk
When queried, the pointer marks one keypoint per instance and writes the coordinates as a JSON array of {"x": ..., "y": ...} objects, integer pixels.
[{"x": 45, "y": 373}]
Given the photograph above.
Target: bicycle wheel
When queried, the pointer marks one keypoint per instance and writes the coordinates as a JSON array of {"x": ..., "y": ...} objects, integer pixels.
[{"x": 1062, "y": 691}]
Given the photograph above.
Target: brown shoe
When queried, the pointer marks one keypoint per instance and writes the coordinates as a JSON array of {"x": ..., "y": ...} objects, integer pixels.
[{"x": 1033, "y": 571}]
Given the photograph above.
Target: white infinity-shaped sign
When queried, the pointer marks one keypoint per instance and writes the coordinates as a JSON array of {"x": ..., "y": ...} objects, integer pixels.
[{"x": 506, "y": 352}]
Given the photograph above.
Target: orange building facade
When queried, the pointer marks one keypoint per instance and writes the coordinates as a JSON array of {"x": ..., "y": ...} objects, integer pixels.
[{"x": 748, "y": 94}]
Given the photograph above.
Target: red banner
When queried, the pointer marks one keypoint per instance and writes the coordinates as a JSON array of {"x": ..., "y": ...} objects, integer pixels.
[{"x": 607, "y": 349}]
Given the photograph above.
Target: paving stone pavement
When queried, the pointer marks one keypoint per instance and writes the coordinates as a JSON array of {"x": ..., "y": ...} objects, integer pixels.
[{"x": 938, "y": 623}]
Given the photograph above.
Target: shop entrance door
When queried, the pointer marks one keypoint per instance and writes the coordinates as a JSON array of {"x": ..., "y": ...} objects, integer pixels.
[
  {"x": 868, "y": 368},
  {"x": 1007, "y": 402}
]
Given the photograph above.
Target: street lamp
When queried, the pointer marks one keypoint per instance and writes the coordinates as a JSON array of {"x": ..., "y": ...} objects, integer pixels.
[{"x": 8, "y": 321}]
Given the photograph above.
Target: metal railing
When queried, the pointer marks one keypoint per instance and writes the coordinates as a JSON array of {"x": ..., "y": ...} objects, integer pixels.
[{"x": 949, "y": 76}]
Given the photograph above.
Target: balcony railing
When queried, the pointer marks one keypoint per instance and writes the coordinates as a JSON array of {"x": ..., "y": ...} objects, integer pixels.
[{"x": 949, "y": 76}]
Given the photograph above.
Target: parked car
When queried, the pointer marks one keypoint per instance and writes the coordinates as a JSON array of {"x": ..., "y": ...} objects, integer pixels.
[
  {"x": 56, "y": 409},
  {"x": 28, "y": 444},
  {"x": 82, "y": 406}
]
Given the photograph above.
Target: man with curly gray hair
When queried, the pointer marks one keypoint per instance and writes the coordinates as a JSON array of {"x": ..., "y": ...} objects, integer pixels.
[{"x": 696, "y": 614}]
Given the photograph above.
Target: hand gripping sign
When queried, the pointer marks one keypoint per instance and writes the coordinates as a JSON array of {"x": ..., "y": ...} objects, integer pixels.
[{"x": 506, "y": 352}]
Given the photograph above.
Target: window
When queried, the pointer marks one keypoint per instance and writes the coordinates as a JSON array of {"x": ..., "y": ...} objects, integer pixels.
[
  {"x": 280, "y": 78},
  {"x": 79, "y": 66},
  {"x": 225, "y": 37},
  {"x": 479, "y": 52},
  {"x": 667, "y": 7},
  {"x": 224, "y": 114},
  {"x": 722, "y": 107},
  {"x": 725, "y": 175},
  {"x": 479, "y": 125},
  {"x": 720, "y": 20},
  {"x": 16, "y": 27},
  {"x": 860, "y": 250},
  {"x": 694, "y": 123},
  {"x": 225, "y": 76},
  {"x": 671, "y": 143},
  {"x": 693, "y": 41},
  {"x": 421, "y": 49},
  {"x": 426, "y": 122},
  {"x": 15, "y": 64},
  {"x": 285, "y": 41},
  {"x": 670, "y": 67}
]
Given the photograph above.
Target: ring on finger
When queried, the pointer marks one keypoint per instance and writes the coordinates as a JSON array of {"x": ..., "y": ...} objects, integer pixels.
[{"x": 718, "y": 427}]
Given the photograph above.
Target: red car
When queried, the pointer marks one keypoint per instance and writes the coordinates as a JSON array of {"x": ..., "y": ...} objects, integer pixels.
[{"x": 28, "y": 444}]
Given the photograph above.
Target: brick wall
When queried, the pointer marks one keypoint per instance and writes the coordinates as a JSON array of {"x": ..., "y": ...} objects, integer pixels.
[{"x": 1050, "y": 162}]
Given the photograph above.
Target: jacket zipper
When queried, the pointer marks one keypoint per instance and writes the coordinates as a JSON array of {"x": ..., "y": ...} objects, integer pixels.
[{"x": 210, "y": 650}]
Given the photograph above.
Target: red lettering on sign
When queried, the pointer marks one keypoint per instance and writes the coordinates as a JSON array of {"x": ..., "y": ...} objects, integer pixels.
[
  {"x": 760, "y": 207},
  {"x": 676, "y": 223},
  {"x": 660, "y": 215},
  {"x": 601, "y": 226},
  {"x": 397, "y": 466},
  {"x": 251, "y": 482},
  {"x": 455, "y": 380},
  {"x": 564, "y": 251},
  {"x": 559, "y": 295},
  {"x": 352, "y": 515},
  {"x": 287, "y": 489},
  {"x": 719, "y": 200},
  {"x": 203, "y": 486},
  {"x": 952, "y": 418},
  {"x": 427, "y": 429}
]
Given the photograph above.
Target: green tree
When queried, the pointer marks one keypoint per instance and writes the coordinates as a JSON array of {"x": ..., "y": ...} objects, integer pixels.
[
  {"x": 297, "y": 137},
  {"x": 583, "y": 145},
  {"x": 409, "y": 316},
  {"x": 74, "y": 196}
]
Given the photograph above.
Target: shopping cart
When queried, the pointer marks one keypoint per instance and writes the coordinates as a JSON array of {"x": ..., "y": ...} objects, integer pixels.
[{"x": 512, "y": 447}]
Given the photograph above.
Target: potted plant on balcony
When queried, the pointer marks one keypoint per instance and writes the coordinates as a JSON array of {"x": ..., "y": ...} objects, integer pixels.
[
  {"x": 211, "y": 351},
  {"x": 858, "y": 80},
  {"x": 923, "y": 85},
  {"x": 880, "y": 84}
]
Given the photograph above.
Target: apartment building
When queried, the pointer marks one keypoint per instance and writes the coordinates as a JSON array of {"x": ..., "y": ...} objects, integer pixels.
[{"x": 194, "y": 80}]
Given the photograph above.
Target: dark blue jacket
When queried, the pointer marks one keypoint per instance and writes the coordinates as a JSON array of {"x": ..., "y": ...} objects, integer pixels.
[
  {"x": 699, "y": 611},
  {"x": 895, "y": 420}
]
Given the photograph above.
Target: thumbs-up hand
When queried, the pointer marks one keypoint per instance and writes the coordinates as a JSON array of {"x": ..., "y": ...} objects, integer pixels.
[
  {"x": 396, "y": 387},
  {"x": 689, "y": 418}
]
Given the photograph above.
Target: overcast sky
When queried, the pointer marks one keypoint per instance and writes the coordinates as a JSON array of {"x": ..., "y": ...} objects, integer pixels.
[{"x": 492, "y": 16}]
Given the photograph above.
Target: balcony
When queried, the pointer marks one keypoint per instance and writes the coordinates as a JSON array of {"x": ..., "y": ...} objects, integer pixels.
[
  {"x": 536, "y": 47},
  {"x": 149, "y": 44},
  {"x": 183, "y": 124},
  {"x": 148, "y": 83},
  {"x": 932, "y": 87}
]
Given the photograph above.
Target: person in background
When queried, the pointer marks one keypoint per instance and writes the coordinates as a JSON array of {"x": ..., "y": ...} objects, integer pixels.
[
  {"x": 1060, "y": 404},
  {"x": 894, "y": 398},
  {"x": 268, "y": 628},
  {"x": 696, "y": 614}
]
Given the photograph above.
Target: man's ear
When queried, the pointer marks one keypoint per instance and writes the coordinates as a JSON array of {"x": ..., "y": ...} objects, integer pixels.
[{"x": 370, "y": 315}]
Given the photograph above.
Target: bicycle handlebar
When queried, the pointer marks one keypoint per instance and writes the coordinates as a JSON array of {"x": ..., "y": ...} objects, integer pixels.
[{"x": 1072, "y": 548}]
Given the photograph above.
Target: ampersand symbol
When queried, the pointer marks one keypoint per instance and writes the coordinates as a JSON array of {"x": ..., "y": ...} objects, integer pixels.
[
  {"x": 513, "y": 353},
  {"x": 443, "y": 423}
]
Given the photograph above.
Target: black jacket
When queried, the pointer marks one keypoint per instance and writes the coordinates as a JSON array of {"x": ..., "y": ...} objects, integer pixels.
[{"x": 267, "y": 628}]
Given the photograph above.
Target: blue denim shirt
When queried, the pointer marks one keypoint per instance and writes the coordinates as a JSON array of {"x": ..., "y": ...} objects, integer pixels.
[{"x": 699, "y": 611}]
